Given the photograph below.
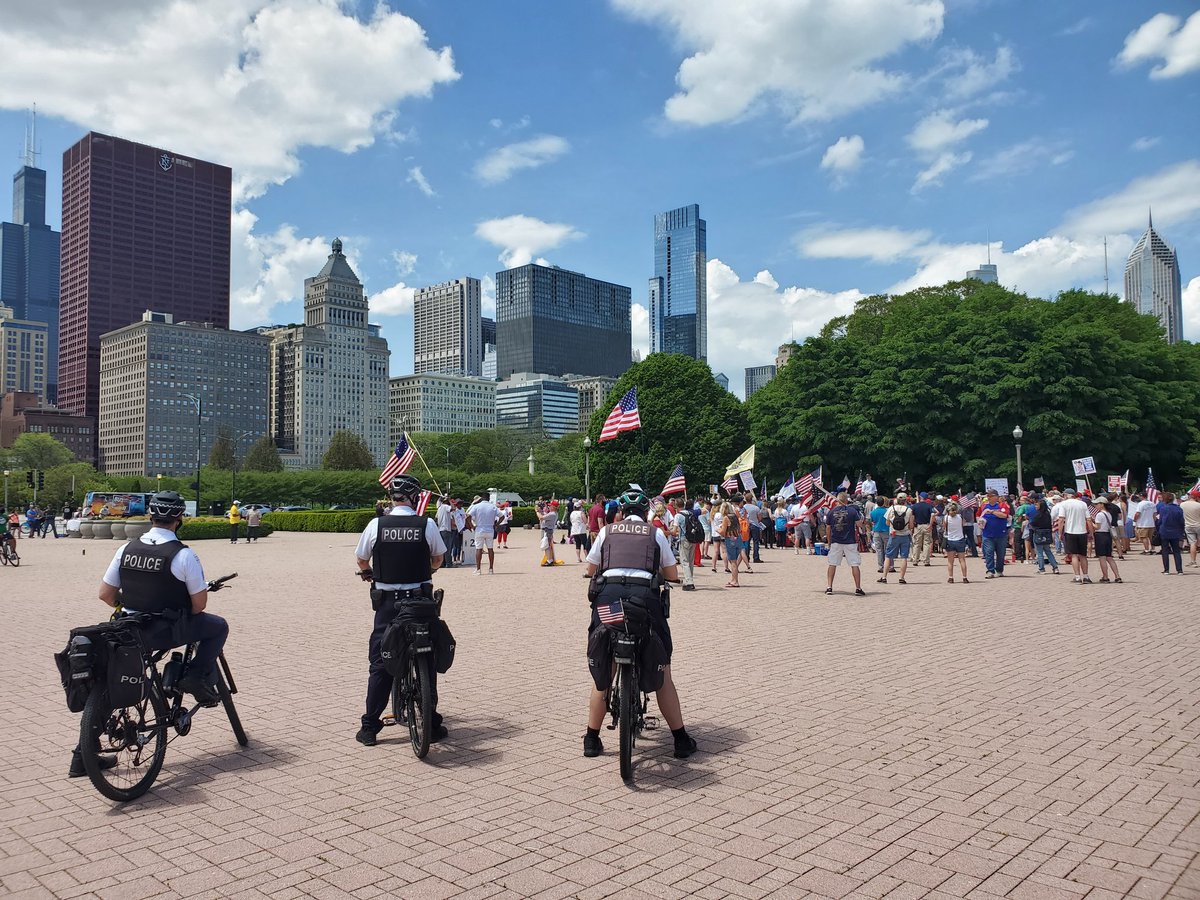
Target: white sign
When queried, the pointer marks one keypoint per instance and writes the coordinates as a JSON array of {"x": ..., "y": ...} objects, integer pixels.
[
  {"x": 747, "y": 481},
  {"x": 1084, "y": 466},
  {"x": 999, "y": 484},
  {"x": 1080, "y": 485},
  {"x": 1114, "y": 483}
]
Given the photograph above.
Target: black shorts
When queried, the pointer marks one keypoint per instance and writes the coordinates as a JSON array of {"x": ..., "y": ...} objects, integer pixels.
[
  {"x": 1075, "y": 544},
  {"x": 579, "y": 539}
]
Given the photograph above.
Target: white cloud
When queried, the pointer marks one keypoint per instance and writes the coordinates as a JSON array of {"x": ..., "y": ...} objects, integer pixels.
[
  {"x": 939, "y": 130},
  {"x": 969, "y": 73},
  {"x": 1167, "y": 38},
  {"x": 1077, "y": 27},
  {"x": 1145, "y": 143},
  {"x": 932, "y": 175},
  {"x": 487, "y": 296},
  {"x": 500, "y": 164},
  {"x": 883, "y": 245},
  {"x": 393, "y": 301},
  {"x": 815, "y": 61},
  {"x": 844, "y": 155},
  {"x": 1173, "y": 193},
  {"x": 748, "y": 320},
  {"x": 640, "y": 335},
  {"x": 268, "y": 269},
  {"x": 1191, "y": 309},
  {"x": 1023, "y": 157},
  {"x": 417, "y": 177},
  {"x": 247, "y": 83},
  {"x": 520, "y": 238},
  {"x": 405, "y": 262}
]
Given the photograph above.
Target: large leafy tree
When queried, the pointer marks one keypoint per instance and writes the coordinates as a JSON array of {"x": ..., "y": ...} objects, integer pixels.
[
  {"x": 347, "y": 452},
  {"x": 263, "y": 456},
  {"x": 38, "y": 450},
  {"x": 686, "y": 417},
  {"x": 932, "y": 382},
  {"x": 221, "y": 456}
]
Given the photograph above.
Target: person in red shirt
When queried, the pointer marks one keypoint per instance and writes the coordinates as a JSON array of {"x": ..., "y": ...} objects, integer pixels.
[{"x": 595, "y": 519}]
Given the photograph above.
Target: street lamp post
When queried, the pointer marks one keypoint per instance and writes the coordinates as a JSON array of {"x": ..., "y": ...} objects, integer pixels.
[
  {"x": 1017, "y": 435},
  {"x": 233, "y": 481},
  {"x": 6, "y": 474},
  {"x": 530, "y": 460},
  {"x": 195, "y": 398},
  {"x": 587, "y": 467}
]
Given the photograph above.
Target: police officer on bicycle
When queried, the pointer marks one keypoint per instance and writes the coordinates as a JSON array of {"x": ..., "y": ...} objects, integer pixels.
[
  {"x": 401, "y": 550},
  {"x": 158, "y": 574},
  {"x": 628, "y": 560}
]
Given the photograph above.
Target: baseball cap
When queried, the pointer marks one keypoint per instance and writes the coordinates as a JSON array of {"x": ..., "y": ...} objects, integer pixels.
[
  {"x": 992, "y": 491},
  {"x": 1069, "y": 491},
  {"x": 924, "y": 495},
  {"x": 901, "y": 496}
]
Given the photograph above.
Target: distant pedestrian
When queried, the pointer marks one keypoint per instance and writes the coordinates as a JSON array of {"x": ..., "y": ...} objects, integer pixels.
[
  {"x": 1041, "y": 528},
  {"x": 1143, "y": 520},
  {"x": 235, "y": 521},
  {"x": 548, "y": 520},
  {"x": 956, "y": 542},
  {"x": 1103, "y": 539},
  {"x": 995, "y": 516},
  {"x": 595, "y": 519},
  {"x": 1170, "y": 521},
  {"x": 843, "y": 542},
  {"x": 731, "y": 535},
  {"x": 923, "y": 512},
  {"x": 444, "y": 516},
  {"x": 1191, "y": 524},
  {"x": 900, "y": 528},
  {"x": 481, "y": 518},
  {"x": 504, "y": 524},
  {"x": 1071, "y": 518},
  {"x": 879, "y": 531},
  {"x": 687, "y": 549},
  {"x": 460, "y": 530},
  {"x": 579, "y": 530},
  {"x": 253, "y": 521}
]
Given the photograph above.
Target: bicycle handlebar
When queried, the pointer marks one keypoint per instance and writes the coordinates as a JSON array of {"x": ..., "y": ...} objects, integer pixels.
[{"x": 217, "y": 583}]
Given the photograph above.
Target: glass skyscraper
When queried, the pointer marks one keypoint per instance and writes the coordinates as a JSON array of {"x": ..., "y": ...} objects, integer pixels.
[
  {"x": 1152, "y": 282},
  {"x": 29, "y": 261},
  {"x": 679, "y": 290}
]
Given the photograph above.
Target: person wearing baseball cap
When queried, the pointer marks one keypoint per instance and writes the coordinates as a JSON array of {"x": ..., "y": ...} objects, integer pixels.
[
  {"x": 995, "y": 516},
  {"x": 923, "y": 512}
]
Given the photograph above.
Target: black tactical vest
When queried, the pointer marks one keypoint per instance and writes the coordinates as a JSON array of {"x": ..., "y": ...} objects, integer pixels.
[
  {"x": 629, "y": 544},
  {"x": 147, "y": 584},
  {"x": 401, "y": 553}
]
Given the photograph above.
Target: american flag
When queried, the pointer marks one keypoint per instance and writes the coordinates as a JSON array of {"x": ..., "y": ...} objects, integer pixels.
[
  {"x": 423, "y": 502},
  {"x": 401, "y": 459},
  {"x": 804, "y": 487},
  {"x": 1195, "y": 487},
  {"x": 675, "y": 484},
  {"x": 729, "y": 485},
  {"x": 1094, "y": 508},
  {"x": 624, "y": 416},
  {"x": 1151, "y": 487},
  {"x": 970, "y": 502},
  {"x": 845, "y": 485},
  {"x": 858, "y": 485},
  {"x": 611, "y": 613}
]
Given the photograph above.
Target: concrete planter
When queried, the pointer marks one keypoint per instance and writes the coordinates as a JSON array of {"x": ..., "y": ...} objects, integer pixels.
[
  {"x": 134, "y": 530},
  {"x": 102, "y": 530},
  {"x": 85, "y": 529},
  {"x": 118, "y": 531}
]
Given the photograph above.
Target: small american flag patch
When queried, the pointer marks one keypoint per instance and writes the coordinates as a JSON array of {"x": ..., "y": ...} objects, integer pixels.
[{"x": 611, "y": 613}]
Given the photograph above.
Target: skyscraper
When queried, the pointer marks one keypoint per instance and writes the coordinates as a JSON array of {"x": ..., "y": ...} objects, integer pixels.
[
  {"x": 986, "y": 273},
  {"x": 23, "y": 353},
  {"x": 143, "y": 228},
  {"x": 29, "y": 265},
  {"x": 1152, "y": 282},
  {"x": 329, "y": 374},
  {"x": 447, "y": 328},
  {"x": 758, "y": 376},
  {"x": 552, "y": 321},
  {"x": 679, "y": 288}
]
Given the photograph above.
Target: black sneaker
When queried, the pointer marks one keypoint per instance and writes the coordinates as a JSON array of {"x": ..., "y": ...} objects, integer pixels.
[
  {"x": 685, "y": 746},
  {"x": 78, "y": 771},
  {"x": 438, "y": 733},
  {"x": 200, "y": 689},
  {"x": 366, "y": 737},
  {"x": 592, "y": 745}
]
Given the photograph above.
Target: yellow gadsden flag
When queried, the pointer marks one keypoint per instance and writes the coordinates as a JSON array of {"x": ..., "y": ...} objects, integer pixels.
[{"x": 743, "y": 463}]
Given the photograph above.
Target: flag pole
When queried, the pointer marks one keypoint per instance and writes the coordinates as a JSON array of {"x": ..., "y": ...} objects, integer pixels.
[{"x": 425, "y": 464}]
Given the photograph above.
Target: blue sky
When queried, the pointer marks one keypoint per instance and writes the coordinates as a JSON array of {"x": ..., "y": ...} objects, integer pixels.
[{"x": 835, "y": 149}]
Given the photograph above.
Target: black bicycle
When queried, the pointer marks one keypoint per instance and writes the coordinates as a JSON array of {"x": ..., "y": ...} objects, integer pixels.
[
  {"x": 412, "y": 689},
  {"x": 8, "y": 552},
  {"x": 123, "y": 746}
]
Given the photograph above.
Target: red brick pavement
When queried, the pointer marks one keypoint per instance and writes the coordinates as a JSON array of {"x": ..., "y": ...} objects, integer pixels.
[{"x": 1022, "y": 737}]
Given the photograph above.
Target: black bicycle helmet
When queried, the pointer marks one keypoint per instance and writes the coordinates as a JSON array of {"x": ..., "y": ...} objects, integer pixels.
[
  {"x": 405, "y": 487},
  {"x": 166, "y": 506},
  {"x": 634, "y": 503}
]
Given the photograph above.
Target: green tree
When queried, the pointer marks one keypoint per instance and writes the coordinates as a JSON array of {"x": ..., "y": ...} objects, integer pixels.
[
  {"x": 686, "y": 417},
  {"x": 932, "y": 382},
  {"x": 221, "y": 456},
  {"x": 39, "y": 451},
  {"x": 263, "y": 456},
  {"x": 347, "y": 451}
]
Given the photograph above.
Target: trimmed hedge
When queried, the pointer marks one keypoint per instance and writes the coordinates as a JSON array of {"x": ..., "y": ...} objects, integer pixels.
[
  {"x": 349, "y": 521},
  {"x": 524, "y": 515},
  {"x": 204, "y": 528}
]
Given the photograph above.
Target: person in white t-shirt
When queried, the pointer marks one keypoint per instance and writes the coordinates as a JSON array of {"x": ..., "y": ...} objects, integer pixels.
[
  {"x": 481, "y": 518},
  {"x": 1072, "y": 522},
  {"x": 579, "y": 529},
  {"x": 1143, "y": 522}
]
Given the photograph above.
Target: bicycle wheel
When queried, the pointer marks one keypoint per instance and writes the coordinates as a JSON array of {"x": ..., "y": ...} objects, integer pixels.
[
  {"x": 627, "y": 692},
  {"x": 4, "y": 555},
  {"x": 14, "y": 558},
  {"x": 235, "y": 721},
  {"x": 419, "y": 703},
  {"x": 135, "y": 736}
]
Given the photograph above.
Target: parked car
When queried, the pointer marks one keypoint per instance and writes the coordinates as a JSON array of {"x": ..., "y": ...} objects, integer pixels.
[
  {"x": 261, "y": 507},
  {"x": 292, "y": 509},
  {"x": 347, "y": 506}
]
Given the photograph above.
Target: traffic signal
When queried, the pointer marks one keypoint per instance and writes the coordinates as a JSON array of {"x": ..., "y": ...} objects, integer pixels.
[
  {"x": 41, "y": 481},
  {"x": 29, "y": 477}
]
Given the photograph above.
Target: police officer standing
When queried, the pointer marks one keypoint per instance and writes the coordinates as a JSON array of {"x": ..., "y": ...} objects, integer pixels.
[
  {"x": 628, "y": 560},
  {"x": 401, "y": 550},
  {"x": 158, "y": 574}
]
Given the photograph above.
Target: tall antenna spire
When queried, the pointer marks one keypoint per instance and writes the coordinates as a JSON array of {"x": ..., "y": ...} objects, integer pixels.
[
  {"x": 31, "y": 152},
  {"x": 1150, "y": 210},
  {"x": 1106, "y": 264}
]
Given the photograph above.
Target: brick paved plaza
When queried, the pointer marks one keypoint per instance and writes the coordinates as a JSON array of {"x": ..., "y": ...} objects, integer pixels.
[{"x": 1023, "y": 737}]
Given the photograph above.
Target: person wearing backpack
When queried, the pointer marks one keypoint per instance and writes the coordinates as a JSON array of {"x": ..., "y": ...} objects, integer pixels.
[
  {"x": 899, "y": 518},
  {"x": 691, "y": 535}
]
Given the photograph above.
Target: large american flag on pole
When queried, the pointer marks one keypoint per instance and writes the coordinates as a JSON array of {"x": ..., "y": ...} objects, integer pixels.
[
  {"x": 401, "y": 459},
  {"x": 729, "y": 485},
  {"x": 423, "y": 502},
  {"x": 624, "y": 416},
  {"x": 1151, "y": 487},
  {"x": 804, "y": 487},
  {"x": 675, "y": 484}
]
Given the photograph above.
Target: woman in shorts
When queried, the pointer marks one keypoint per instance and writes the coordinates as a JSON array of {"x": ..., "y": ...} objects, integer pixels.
[
  {"x": 731, "y": 534},
  {"x": 1103, "y": 539},
  {"x": 956, "y": 542},
  {"x": 578, "y": 529}
]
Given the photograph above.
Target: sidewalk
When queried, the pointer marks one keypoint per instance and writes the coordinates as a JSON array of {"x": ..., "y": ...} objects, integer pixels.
[{"x": 1019, "y": 737}]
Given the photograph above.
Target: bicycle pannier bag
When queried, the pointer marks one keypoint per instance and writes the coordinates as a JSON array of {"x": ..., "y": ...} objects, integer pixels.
[
  {"x": 126, "y": 675},
  {"x": 599, "y": 656},
  {"x": 393, "y": 647},
  {"x": 77, "y": 670},
  {"x": 653, "y": 660},
  {"x": 443, "y": 646}
]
